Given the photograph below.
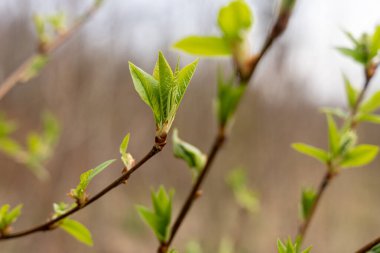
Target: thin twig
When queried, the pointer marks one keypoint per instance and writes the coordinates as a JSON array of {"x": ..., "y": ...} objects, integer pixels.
[
  {"x": 277, "y": 30},
  {"x": 16, "y": 76},
  {"x": 52, "y": 224},
  {"x": 368, "y": 246},
  {"x": 330, "y": 174}
]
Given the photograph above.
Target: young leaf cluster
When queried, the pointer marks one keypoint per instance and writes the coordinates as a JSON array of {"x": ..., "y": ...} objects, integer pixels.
[
  {"x": 38, "y": 148},
  {"x": 290, "y": 247},
  {"x": 159, "y": 218},
  {"x": 365, "y": 49},
  {"x": 72, "y": 227},
  {"x": 244, "y": 196},
  {"x": 194, "y": 158},
  {"x": 79, "y": 193},
  {"x": 234, "y": 21},
  {"x": 7, "y": 217},
  {"x": 49, "y": 25},
  {"x": 37, "y": 64},
  {"x": 163, "y": 91}
]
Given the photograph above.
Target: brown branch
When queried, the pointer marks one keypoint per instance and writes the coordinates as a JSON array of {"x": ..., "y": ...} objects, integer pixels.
[
  {"x": 16, "y": 76},
  {"x": 244, "y": 78},
  {"x": 330, "y": 171},
  {"x": 52, "y": 224},
  {"x": 368, "y": 246}
]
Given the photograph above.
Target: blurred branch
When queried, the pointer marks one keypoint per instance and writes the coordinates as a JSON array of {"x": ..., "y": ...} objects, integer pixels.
[
  {"x": 278, "y": 28},
  {"x": 366, "y": 248},
  {"x": 330, "y": 174},
  {"x": 52, "y": 224},
  {"x": 16, "y": 77}
]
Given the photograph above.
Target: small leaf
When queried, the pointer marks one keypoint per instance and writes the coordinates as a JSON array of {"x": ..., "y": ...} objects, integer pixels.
[
  {"x": 335, "y": 112},
  {"x": 77, "y": 230},
  {"x": 359, "y": 156},
  {"x": 375, "y": 249},
  {"x": 193, "y": 247},
  {"x": 334, "y": 135},
  {"x": 307, "y": 201},
  {"x": 85, "y": 178},
  {"x": 194, "y": 158},
  {"x": 8, "y": 217},
  {"x": 317, "y": 153},
  {"x": 127, "y": 158},
  {"x": 375, "y": 42},
  {"x": 204, "y": 46},
  {"x": 351, "y": 93},
  {"x": 234, "y": 19},
  {"x": 37, "y": 64},
  {"x": 372, "y": 104},
  {"x": 354, "y": 54},
  {"x": 290, "y": 247},
  {"x": 373, "y": 118},
  {"x": 287, "y": 5}
]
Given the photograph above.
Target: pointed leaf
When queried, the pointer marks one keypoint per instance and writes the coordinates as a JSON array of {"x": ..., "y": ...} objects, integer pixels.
[
  {"x": 308, "y": 199},
  {"x": 360, "y": 156},
  {"x": 372, "y": 104},
  {"x": 334, "y": 135},
  {"x": 77, "y": 230},
  {"x": 351, "y": 93},
  {"x": 373, "y": 118},
  {"x": 317, "y": 153},
  {"x": 204, "y": 46}
]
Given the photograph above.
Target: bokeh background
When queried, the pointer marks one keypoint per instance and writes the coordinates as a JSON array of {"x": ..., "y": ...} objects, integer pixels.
[{"x": 88, "y": 87}]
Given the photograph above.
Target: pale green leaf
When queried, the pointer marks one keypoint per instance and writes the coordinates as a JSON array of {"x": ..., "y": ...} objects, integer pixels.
[
  {"x": 37, "y": 64},
  {"x": 317, "y": 153},
  {"x": 307, "y": 201},
  {"x": 334, "y": 135},
  {"x": 204, "y": 46},
  {"x": 234, "y": 19},
  {"x": 351, "y": 93},
  {"x": 77, "y": 230},
  {"x": 359, "y": 156},
  {"x": 373, "y": 118},
  {"x": 375, "y": 42},
  {"x": 372, "y": 104}
]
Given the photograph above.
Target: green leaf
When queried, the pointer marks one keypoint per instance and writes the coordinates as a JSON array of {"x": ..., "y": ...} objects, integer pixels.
[
  {"x": 204, "y": 46},
  {"x": 317, "y": 153},
  {"x": 127, "y": 158},
  {"x": 51, "y": 129},
  {"x": 77, "y": 230},
  {"x": 335, "y": 112},
  {"x": 37, "y": 64},
  {"x": 229, "y": 95},
  {"x": 193, "y": 247},
  {"x": 163, "y": 91},
  {"x": 287, "y": 5},
  {"x": 12, "y": 148},
  {"x": 334, "y": 135},
  {"x": 372, "y": 104},
  {"x": 351, "y": 93},
  {"x": 359, "y": 156},
  {"x": 245, "y": 197},
  {"x": 58, "y": 21},
  {"x": 159, "y": 218},
  {"x": 194, "y": 158},
  {"x": 373, "y": 118},
  {"x": 226, "y": 245},
  {"x": 8, "y": 217},
  {"x": 375, "y": 249},
  {"x": 375, "y": 42},
  {"x": 290, "y": 247},
  {"x": 6, "y": 126},
  {"x": 307, "y": 201},
  {"x": 235, "y": 19},
  {"x": 354, "y": 54},
  {"x": 85, "y": 178}
]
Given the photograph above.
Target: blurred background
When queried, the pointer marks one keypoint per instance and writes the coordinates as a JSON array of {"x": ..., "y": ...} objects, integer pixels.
[{"x": 88, "y": 87}]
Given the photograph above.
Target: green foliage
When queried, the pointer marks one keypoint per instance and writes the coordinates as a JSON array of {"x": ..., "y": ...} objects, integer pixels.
[
  {"x": 57, "y": 21},
  {"x": 37, "y": 64},
  {"x": 70, "y": 226},
  {"x": 38, "y": 148},
  {"x": 245, "y": 197},
  {"x": 290, "y": 247},
  {"x": 229, "y": 95},
  {"x": 163, "y": 91},
  {"x": 359, "y": 156},
  {"x": 77, "y": 230},
  {"x": 351, "y": 93},
  {"x": 8, "y": 217},
  {"x": 372, "y": 104},
  {"x": 365, "y": 49},
  {"x": 226, "y": 245},
  {"x": 307, "y": 201},
  {"x": 159, "y": 218},
  {"x": 47, "y": 25},
  {"x": 127, "y": 158},
  {"x": 375, "y": 249},
  {"x": 234, "y": 21},
  {"x": 287, "y": 5},
  {"x": 194, "y": 158},
  {"x": 79, "y": 193},
  {"x": 204, "y": 46},
  {"x": 311, "y": 151}
]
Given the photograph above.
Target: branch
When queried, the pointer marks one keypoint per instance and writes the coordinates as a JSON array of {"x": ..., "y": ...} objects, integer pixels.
[
  {"x": 52, "y": 224},
  {"x": 16, "y": 77},
  {"x": 368, "y": 246},
  {"x": 277, "y": 30},
  {"x": 329, "y": 175}
]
